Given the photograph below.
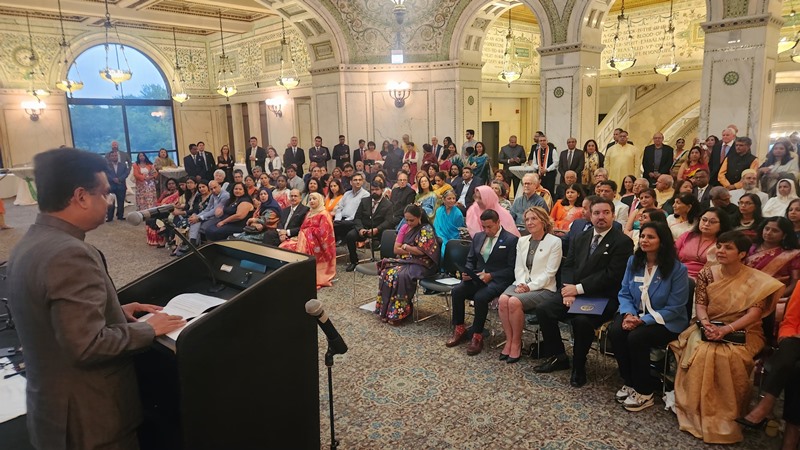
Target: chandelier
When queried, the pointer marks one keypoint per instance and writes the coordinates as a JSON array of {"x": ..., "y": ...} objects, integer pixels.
[
  {"x": 66, "y": 83},
  {"x": 288, "y": 78},
  {"x": 670, "y": 67},
  {"x": 226, "y": 87},
  {"x": 179, "y": 93},
  {"x": 788, "y": 43},
  {"x": 512, "y": 70},
  {"x": 116, "y": 75},
  {"x": 36, "y": 89},
  {"x": 620, "y": 60}
]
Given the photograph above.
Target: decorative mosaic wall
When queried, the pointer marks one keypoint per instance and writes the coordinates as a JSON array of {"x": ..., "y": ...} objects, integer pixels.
[{"x": 527, "y": 39}]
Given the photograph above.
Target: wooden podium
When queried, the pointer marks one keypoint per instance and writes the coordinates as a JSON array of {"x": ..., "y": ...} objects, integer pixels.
[{"x": 245, "y": 375}]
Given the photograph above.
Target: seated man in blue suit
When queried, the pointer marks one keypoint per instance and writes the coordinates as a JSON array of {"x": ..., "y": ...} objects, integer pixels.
[
  {"x": 491, "y": 257},
  {"x": 594, "y": 267}
]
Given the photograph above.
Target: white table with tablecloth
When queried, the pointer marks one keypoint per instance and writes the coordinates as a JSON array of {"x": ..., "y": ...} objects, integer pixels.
[{"x": 26, "y": 187}]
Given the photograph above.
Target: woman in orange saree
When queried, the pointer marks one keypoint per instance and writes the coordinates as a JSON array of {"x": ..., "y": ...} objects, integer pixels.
[
  {"x": 316, "y": 239},
  {"x": 712, "y": 384}
]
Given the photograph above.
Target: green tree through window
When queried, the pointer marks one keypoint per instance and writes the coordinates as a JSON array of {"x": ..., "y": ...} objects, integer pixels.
[{"x": 138, "y": 115}]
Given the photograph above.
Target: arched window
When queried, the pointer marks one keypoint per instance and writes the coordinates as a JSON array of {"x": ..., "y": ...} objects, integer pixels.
[{"x": 138, "y": 114}]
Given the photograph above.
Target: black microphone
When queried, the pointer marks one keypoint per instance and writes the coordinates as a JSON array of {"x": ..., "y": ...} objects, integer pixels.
[
  {"x": 336, "y": 345},
  {"x": 159, "y": 212}
]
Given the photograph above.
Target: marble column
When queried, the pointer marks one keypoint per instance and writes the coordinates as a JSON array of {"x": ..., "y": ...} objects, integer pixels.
[
  {"x": 239, "y": 144},
  {"x": 569, "y": 100},
  {"x": 738, "y": 84}
]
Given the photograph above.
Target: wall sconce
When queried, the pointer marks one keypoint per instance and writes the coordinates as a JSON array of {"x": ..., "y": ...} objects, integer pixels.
[
  {"x": 34, "y": 108},
  {"x": 399, "y": 11},
  {"x": 399, "y": 91},
  {"x": 275, "y": 105}
]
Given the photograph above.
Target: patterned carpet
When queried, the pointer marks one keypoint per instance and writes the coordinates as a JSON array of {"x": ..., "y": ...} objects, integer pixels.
[{"x": 399, "y": 387}]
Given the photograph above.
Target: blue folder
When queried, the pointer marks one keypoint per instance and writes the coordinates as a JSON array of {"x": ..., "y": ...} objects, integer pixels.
[{"x": 588, "y": 305}]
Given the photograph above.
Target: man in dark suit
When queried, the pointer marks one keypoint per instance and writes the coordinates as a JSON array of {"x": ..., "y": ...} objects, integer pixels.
[
  {"x": 656, "y": 160},
  {"x": 319, "y": 153},
  {"x": 436, "y": 148},
  {"x": 720, "y": 153},
  {"x": 464, "y": 189},
  {"x": 374, "y": 215},
  {"x": 199, "y": 164},
  {"x": 569, "y": 178},
  {"x": 255, "y": 156},
  {"x": 571, "y": 159},
  {"x": 358, "y": 154},
  {"x": 402, "y": 196},
  {"x": 578, "y": 226},
  {"x": 341, "y": 152},
  {"x": 291, "y": 219},
  {"x": 78, "y": 340},
  {"x": 491, "y": 257},
  {"x": 117, "y": 172},
  {"x": 594, "y": 267},
  {"x": 294, "y": 155},
  {"x": 702, "y": 190}
]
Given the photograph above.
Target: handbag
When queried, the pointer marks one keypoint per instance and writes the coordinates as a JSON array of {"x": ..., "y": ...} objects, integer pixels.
[
  {"x": 738, "y": 337},
  {"x": 249, "y": 229}
]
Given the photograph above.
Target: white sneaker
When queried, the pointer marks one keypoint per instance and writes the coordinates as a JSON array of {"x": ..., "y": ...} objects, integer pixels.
[
  {"x": 623, "y": 393},
  {"x": 637, "y": 401}
]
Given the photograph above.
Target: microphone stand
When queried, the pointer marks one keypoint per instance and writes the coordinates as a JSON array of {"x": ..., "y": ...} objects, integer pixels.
[
  {"x": 329, "y": 354},
  {"x": 215, "y": 287}
]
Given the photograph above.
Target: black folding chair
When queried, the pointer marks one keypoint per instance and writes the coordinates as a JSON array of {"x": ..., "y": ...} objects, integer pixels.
[
  {"x": 370, "y": 267},
  {"x": 455, "y": 254}
]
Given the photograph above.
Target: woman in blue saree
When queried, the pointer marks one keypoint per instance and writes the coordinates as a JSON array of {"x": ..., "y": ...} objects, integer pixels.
[{"x": 448, "y": 219}]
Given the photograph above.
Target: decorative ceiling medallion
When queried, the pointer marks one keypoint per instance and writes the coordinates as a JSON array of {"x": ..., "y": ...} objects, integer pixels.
[
  {"x": 589, "y": 91},
  {"x": 22, "y": 57},
  {"x": 471, "y": 100},
  {"x": 731, "y": 78},
  {"x": 558, "y": 92}
]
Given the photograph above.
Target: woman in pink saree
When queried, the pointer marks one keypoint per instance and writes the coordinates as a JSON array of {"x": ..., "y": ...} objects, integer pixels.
[{"x": 316, "y": 239}]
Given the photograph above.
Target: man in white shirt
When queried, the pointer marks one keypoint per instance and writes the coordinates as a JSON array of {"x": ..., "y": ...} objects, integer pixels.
[
  {"x": 345, "y": 211},
  {"x": 294, "y": 181},
  {"x": 749, "y": 186}
]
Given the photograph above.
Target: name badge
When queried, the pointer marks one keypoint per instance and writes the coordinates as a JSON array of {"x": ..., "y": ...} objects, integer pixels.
[
  {"x": 638, "y": 279},
  {"x": 501, "y": 246}
]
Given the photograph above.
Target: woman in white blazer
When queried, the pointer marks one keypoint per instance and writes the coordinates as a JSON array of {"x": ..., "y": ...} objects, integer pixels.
[{"x": 538, "y": 260}]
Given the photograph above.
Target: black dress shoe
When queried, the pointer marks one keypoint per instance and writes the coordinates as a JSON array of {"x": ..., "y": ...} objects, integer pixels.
[
  {"x": 511, "y": 360},
  {"x": 560, "y": 362},
  {"x": 539, "y": 352},
  {"x": 752, "y": 425},
  {"x": 350, "y": 267},
  {"x": 578, "y": 378},
  {"x": 503, "y": 357}
]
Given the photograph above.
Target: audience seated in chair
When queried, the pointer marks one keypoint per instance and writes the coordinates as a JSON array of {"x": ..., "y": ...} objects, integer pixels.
[
  {"x": 373, "y": 216},
  {"x": 418, "y": 254},
  {"x": 348, "y": 205},
  {"x": 729, "y": 297},
  {"x": 652, "y": 312},
  {"x": 485, "y": 199},
  {"x": 491, "y": 258},
  {"x": 290, "y": 221},
  {"x": 537, "y": 262},
  {"x": 233, "y": 216},
  {"x": 316, "y": 238},
  {"x": 594, "y": 267},
  {"x": 448, "y": 219}
]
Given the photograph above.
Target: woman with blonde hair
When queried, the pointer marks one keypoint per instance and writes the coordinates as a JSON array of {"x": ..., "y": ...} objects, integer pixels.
[
  {"x": 316, "y": 239},
  {"x": 538, "y": 259}
]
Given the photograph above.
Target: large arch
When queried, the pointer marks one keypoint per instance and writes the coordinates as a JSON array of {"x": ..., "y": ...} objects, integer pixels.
[{"x": 325, "y": 44}]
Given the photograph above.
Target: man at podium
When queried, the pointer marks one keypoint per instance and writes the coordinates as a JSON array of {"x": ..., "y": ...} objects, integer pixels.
[{"x": 82, "y": 391}]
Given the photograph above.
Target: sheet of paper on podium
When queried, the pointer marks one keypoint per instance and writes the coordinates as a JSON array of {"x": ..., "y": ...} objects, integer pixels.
[{"x": 189, "y": 306}]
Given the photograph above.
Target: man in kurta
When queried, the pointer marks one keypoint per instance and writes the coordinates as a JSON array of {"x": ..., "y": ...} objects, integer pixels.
[{"x": 623, "y": 159}]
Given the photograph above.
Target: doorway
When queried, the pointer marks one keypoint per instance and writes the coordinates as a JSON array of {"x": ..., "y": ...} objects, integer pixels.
[{"x": 490, "y": 136}]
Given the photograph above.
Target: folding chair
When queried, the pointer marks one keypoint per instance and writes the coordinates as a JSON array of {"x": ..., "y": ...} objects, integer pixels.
[
  {"x": 370, "y": 268},
  {"x": 455, "y": 254}
]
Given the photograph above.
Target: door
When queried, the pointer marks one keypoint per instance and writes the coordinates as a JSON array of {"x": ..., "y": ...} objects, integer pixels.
[{"x": 490, "y": 136}]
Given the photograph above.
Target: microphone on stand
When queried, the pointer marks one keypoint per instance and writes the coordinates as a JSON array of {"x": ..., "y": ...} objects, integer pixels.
[
  {"x": 336, "y": 345},
  {"x": 159, "y": 212},
  {"x": 162, "y": 212}
]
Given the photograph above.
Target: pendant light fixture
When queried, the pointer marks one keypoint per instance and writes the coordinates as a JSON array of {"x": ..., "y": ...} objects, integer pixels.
[
  {"x": 620, "y": 59},
  {"x": 66, "y": 83},
  {"x": 226, "y": 87},
  {"x": 788, "y": 43},
  {"x": 288, "y": 78},
  {"x": 178, "y": 92},
  {"x": 116, "y": 75},
  {"x": 668, "y": 68},
  {"x": 38, "y": 87},
  {"x": 512, "y": 69}
]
